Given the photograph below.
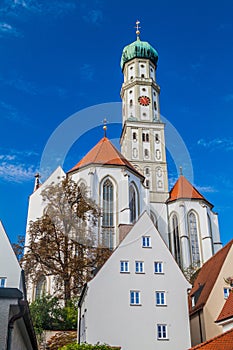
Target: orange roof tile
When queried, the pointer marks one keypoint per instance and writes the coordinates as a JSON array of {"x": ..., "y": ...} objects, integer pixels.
[
  {"x": 206, "y": 278},
  {"x": 184, "y": 190},
  {"x": 227, "y": 310},
  {"x": 104, "y": 153},
  {"x": 223, "y": 341}
]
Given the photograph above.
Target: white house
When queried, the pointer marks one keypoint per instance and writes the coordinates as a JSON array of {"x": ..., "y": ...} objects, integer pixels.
[
  {"x": 138, "y": 299},
  {"x": 17, "y": 331}
]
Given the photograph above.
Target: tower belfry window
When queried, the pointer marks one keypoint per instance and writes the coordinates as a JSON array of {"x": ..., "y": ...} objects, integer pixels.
[{"x": 145, "y": 137}]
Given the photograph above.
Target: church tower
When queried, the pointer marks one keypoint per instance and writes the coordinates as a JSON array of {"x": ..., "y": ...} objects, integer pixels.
[{"x": 142, "y": 138}]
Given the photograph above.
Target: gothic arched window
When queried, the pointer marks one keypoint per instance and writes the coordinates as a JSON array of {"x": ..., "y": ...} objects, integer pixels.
[
  {"x": 108, "y": 213},
  {"x": 40, "y": 287},
  {"x": 133, "y": 203},
  {"x": 176, "y": 239},
  {"x": 193, "y": 236}
]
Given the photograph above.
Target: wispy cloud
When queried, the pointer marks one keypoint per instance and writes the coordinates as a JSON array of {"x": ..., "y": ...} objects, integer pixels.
[
  {"x": 86, "y": 71},
  {"x": 228, "y": 97},
  {"x": 8, "y": 29},
  {"x": 15, "y": 165},
  {"x": 205, "y": 189},
  {"x": 217, "y": 143},
  {"x": 31, "y": 88},
  {"x": 9, "y": 112},
  {"x": 54, "y": 8},
  {"x": 16, "y": 172},
  {"x": 94, "y": 17}
]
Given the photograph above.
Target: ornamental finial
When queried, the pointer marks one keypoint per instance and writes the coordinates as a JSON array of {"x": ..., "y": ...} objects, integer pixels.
[
  {"x": 105, "y": 126},
  {"x": 137, "y": 29},
  {"x": 181, "y": 171}
]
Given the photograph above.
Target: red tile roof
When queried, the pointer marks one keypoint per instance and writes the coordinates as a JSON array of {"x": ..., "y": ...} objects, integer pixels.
[
  {"x": 104, "y": 153},
  {"x": 206, "y": 278},
  {"x": 221, "y": 342},
  {"x": 184, "y": 190},
  {"x": 227, "y": 310}
]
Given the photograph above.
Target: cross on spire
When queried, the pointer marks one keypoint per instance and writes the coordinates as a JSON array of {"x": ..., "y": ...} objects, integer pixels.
[
  {"x": 105, "y": 126},
  {"x": 137, "y": 29}
]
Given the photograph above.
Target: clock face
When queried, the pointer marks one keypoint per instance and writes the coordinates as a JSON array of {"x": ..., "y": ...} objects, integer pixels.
[{"x": 144, "y": 100}]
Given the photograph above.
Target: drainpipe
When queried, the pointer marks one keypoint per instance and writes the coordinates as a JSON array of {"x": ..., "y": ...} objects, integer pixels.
[
  {"x": 200, "y": 326},
  {"x": 11, "y": 324}
]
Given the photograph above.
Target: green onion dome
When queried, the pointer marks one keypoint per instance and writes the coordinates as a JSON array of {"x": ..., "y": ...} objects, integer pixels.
[{"x": 140, "y": 49}]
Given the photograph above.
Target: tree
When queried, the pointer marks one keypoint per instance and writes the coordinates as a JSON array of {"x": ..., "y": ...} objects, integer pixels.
[
  {"x": 18, "y": 247},
  {"x": 63, "y": 242},
  {"x": 48, "y": 314},
  {"x": 191, "y": 273}
]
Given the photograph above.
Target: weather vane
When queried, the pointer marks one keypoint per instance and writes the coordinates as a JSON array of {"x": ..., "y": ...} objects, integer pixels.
[
  {"x": 137, "y": 29},
  {"x": 105, "y": 126}
]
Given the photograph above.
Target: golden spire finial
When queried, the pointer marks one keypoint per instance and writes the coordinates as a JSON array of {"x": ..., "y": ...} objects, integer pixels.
[
  {"x": 105, "y": 126},
  {"x": 137, "y": 29}
]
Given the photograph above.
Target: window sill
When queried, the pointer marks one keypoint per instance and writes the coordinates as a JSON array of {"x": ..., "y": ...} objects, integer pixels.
[
  {"x": 135, "y": 304},
  {"x": 139, "y": 273},
  {"x": 125, "y": 272}
]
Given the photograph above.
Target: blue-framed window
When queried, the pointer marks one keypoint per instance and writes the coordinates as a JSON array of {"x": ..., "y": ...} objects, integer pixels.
[
  {"x": 146, "y": 241},
  {"x": 226, "y": 292},
  {"x": 2, "y": 282},
  {"x": 134, "y": 297},
  {"x": 139, "y": 266},
  {"x": 158, "y": 267},
  {"x": 162, "y": 331},
  {"x": 160, "y": 298},
  {"x": 124, "y": 266}
]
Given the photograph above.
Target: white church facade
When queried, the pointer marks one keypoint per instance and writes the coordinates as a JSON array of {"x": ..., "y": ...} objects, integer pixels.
[{"x": 128, "y": 183}]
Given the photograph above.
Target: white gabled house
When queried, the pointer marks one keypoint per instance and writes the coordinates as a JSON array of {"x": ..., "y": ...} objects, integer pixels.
[
  {"x": 16, "y": 328},
  {"x": 138, "y": 299}
]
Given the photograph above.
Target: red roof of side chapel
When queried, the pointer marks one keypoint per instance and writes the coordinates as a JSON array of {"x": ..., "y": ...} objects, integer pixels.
[
  {"x": 104, "y": 153},
  {"x": 183, "y": 189}
]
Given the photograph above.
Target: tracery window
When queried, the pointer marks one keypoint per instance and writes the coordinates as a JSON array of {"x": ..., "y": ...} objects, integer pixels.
[
  {"x": 40, "y": 287},
  {"x": 108, "y": 213},
  {"x": 133, "y": 203},
  {"x": 193, "y": 236},
  {"x": 176, "y": 239}
]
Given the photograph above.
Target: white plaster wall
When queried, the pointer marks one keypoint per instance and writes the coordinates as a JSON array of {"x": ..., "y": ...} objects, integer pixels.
[
  {"x": 9, "y": 266},
  {"x": 110, "y": 318}
]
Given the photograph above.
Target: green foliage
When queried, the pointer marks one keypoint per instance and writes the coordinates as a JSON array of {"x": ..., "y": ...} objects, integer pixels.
[
  {"x": 48, "y": 314},
  {"x": 75, "y": 346}
]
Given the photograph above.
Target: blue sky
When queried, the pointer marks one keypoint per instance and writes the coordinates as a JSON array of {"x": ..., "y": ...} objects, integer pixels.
[{"x": 59, "y": 57}]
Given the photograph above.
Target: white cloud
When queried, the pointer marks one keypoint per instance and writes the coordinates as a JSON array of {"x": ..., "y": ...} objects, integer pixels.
[
  {"x": 16, "y": 172},
  {"x": 7, "y": 29},
  {"x": 94, "y": 16},
  {"x": 217, "y": 143},
  {"x": 54, "y": 8},
  {"x": 205, "y": 189},
  {"x": 15, "y": 165}
]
